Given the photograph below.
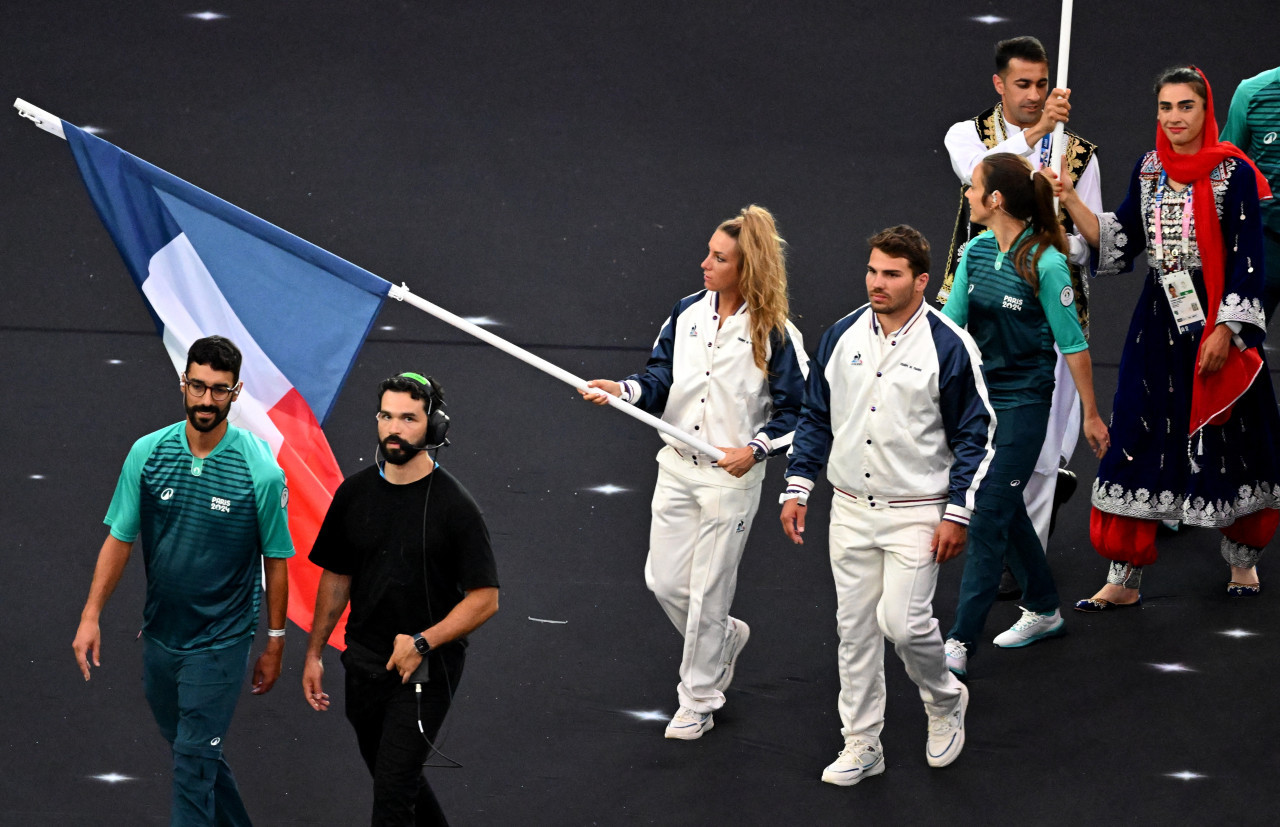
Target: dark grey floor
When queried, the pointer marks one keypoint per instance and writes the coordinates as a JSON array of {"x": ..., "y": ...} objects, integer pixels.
[{"x": 558, "y": 170}]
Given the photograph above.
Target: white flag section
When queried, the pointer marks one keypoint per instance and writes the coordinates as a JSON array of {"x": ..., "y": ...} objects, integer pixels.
[{"x": 187, "y": 299}]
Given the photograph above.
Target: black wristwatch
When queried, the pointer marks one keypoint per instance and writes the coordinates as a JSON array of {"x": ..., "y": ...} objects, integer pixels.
[
  {"x": 759, "y": 453},
  {"x": 420, "y": 643}
]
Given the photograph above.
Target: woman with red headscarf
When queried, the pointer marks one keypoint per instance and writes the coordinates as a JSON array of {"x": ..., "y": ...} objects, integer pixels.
[{"x": 1194, "y": 422}]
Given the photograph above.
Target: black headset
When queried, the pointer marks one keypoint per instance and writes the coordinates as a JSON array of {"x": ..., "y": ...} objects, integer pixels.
[{"x": 437, "y": 419}]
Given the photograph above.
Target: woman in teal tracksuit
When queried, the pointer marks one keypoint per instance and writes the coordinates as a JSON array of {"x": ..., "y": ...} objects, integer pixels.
[{"x": 1013, "y": 292}]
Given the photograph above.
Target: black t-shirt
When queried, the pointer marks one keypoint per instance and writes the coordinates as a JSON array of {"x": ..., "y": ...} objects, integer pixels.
[{"x": 374, "y": 532}]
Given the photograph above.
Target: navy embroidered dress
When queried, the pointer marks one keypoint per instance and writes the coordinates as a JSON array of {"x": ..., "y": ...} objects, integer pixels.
[{"x": 1153, "y": 470}]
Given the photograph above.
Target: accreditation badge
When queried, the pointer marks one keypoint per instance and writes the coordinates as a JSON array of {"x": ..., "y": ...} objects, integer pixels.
[{"x": 1183, "y": 301}]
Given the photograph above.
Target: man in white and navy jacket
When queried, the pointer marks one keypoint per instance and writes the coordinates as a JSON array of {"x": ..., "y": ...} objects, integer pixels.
[{"x": 896, "y": 408}]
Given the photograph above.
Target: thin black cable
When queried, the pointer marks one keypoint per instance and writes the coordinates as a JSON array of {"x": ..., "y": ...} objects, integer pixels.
[{"x": 426, "y": 585}]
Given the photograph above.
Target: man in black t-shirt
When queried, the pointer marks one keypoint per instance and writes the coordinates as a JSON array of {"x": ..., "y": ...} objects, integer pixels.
[{"x": 406, "y": 545}]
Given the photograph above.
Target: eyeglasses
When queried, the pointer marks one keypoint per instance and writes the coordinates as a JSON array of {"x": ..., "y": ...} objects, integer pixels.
[{"x": 196, "y": 390}]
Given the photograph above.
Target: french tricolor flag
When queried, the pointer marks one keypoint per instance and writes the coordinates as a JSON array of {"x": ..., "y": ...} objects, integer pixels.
[{"x": 297, "y": 312}]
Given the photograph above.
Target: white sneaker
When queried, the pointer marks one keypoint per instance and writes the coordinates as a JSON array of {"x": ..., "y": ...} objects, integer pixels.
[
  {"x": 957, "y": 657},
  {"x": 739, "y": 633},
  {"x": 688, "y": 725},
  {"x": 858, "y": 760},
  {"x": 946, "y": 734},
  {"x": 1031, "y": 627}
]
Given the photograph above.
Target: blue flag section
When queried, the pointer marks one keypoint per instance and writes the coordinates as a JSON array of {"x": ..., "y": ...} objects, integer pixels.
[{"x": 308, "y": 310}]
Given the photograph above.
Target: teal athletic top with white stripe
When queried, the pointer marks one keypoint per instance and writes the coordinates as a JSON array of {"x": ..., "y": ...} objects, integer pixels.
[
  {"x": 204, "y": 524},
  {"x": 1015, "y": 327},
  {"x": 1253, "y": 124}
]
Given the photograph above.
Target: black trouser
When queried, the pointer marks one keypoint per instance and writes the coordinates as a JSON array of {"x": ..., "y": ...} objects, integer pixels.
[{"x": 384, "y": 714}]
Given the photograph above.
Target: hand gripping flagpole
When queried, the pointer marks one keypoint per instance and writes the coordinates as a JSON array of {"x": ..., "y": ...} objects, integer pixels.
[
  {"x": 1064, "y": 58},
  {"x": 402, "y": 293}
]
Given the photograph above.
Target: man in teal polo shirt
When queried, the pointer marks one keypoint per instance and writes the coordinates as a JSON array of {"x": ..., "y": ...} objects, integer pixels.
[{"x": 209, "y": 502}]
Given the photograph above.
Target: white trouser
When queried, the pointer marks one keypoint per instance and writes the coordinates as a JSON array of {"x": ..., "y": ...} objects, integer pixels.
[
  {"x": 885, "y": 575},
  {"x": 1059, "y": 444},
  {"x": 696, "y": 538}
]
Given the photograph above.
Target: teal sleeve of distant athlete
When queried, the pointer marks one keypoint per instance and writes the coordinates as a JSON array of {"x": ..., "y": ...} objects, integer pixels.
[
  {"x": 1236, "y": 130},
  {"x": 957, "y": 307},
  {"x": 1057, "y": 297},
  {"x": 124, "y": 515},
  {"x": 272, "y": 495}
]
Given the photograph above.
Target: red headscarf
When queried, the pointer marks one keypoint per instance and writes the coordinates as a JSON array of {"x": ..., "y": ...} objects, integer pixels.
[{"x": 1212, "y": 395}]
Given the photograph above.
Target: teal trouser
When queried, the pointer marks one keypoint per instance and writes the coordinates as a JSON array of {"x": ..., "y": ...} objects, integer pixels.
[
  {"x": 1271, "y": 289},
  {"x": 193, "y": 696},
  {"x": 1000, "y": 530}
]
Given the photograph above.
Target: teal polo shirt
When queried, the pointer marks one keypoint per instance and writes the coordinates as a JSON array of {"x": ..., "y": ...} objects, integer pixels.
[
  {"x": 1014, "y": 326},
  {"x": 205, "y": 525},
  {"x": 1253, "y": 124}
]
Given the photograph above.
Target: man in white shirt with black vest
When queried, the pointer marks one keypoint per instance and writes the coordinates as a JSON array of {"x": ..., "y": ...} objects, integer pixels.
[{"x": 1022, "y": 123}]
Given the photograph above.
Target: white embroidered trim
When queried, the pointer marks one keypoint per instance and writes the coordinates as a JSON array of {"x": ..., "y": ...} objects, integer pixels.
[
  {"x": 1111, "y": 238},
  {"x": 1220, "y": 177},
  {"x": 1169, "y": 506},
  {"x": 1236, "y": 309}
]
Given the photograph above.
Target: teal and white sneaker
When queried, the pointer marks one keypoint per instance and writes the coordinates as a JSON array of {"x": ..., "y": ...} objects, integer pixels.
[
  {"x": 1031, "y": 627},
  {"x": 946, "y": 733},
  {"x": 957, "y": 657},
  {"x": 688, "y": 725},
  {"x": 858, "y": 760}
]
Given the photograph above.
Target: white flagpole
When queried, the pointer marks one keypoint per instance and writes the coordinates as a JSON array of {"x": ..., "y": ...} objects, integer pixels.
[
  {"x": 49, "y": 123},
  {"x": 1064, "y": 58},
  {"x": 402, "y": 293},
  {"x": 53, "y": 124}
]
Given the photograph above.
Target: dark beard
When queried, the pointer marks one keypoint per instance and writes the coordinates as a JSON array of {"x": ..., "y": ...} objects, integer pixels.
[
  {"x": 220, "y": 415},
  {"x": 399, "y": 453}
]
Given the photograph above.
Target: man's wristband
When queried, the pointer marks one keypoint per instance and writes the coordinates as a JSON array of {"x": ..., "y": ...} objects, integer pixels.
[{"x": 275, "y": 632}]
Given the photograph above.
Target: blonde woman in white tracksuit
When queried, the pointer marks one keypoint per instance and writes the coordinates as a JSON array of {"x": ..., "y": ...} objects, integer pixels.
[{"x": 729, "y": 368}]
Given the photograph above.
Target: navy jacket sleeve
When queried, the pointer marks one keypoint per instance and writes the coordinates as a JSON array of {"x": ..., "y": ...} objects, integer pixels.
[
  {"x": 787, "y": 365},
  {"x": 967, "y": 416},
  {"x": 655, "y": 380},
  {"x": 811, "y": 446}
]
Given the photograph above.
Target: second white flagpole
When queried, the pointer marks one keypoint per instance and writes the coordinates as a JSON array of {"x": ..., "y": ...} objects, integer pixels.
[
  {"x": 1064, "y": 59},
  {"x": 404, "y": 294}
]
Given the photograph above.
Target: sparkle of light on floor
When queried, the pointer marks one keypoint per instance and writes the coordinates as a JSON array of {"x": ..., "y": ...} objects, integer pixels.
[
  {"x": 115, "y": 361},
  {"x": 989, "y": 19},
  {"x": 1172, "y": 667},
  {"x": 482, "y": 321},
  {"x": 112, "y": 777},
  {"x": 647, "y": 715},
  {"x": 92, "y": 130},
  {"x": 36, "y": 477},
  {"x": 1238, "y": 633},
  {"x": 610, "y": 488},
  {"x": 1186, "y": 775},
  {"x": 387, "y": 327},
  {"x": 206, "y": 15}
]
